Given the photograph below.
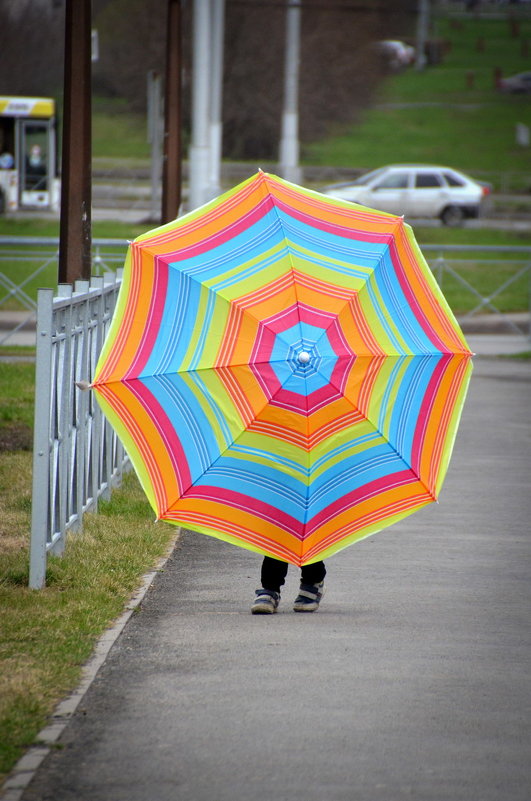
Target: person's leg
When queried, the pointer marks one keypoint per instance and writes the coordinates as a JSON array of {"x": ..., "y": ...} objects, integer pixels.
[
  {"x": 311, "y": 589},
  {"x": 314, "y": 573},
  {"x": 273, "y": 575}
]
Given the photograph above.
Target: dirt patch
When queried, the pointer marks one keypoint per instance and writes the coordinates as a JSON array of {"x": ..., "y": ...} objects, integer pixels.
[{"x": 16, "y": 437}]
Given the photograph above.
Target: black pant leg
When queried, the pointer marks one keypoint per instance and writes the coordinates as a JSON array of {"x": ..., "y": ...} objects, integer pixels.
[
  {"x": 273, "y": 573},
  {"x": 314, "y": 573}
]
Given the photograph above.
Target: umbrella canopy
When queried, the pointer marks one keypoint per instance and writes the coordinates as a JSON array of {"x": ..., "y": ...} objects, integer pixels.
[{"x": 283, "y": 370}]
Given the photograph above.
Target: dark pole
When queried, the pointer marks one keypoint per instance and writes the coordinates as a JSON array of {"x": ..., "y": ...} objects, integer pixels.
[
  {"x": 75, "y": 231},
  {"x": 171, "y": 169}
]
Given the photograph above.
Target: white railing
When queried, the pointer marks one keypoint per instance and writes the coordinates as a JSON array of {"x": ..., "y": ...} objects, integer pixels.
[
  {"x": 451, "y": 261},
  {"x": 31, "y": 259},
  {"x": 77, "y": 457}
]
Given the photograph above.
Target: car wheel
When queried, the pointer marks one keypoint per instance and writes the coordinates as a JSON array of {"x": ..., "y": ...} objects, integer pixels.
[{"x": 452, "y": 215}]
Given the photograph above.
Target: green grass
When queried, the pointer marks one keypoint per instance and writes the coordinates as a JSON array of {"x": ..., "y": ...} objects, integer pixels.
[
  {"x": 16, "y": 405},
  {"x": 46, "y": 636},
  {"x": 443, "y": 118},
  {"x": 36, "y": 256},
  {"x": 117, "y": 133},
  {"x": 101, "y": 229}
]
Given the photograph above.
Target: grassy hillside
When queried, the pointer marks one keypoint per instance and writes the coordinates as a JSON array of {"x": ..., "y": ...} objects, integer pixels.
[{"x": 450, "y": 112}]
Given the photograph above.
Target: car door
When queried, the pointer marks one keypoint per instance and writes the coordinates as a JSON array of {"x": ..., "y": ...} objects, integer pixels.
[
  {"x": 428, "y": 195},
  {"x": 390, "y": 192}
]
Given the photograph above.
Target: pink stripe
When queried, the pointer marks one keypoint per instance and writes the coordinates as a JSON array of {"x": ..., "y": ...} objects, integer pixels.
[
  {"x": 263, "y": 345},
  {"x": 227, "y": 233},
  {"x": 285, "y": 319},
  {"x": 166, "y": 430},
  {"x": 238, "y": 500},
  {"x": 413, "y": 302},
  {"x": 338, "y": 341},
  {"x": 156, "y": 310},
  {"x": 425, "y": 411},
  {"x": 364, "y": 493},
  {"x": 267, "y": 378},
  {"x": 345, "y": 231},
  {"x": 316, "y": 317}
]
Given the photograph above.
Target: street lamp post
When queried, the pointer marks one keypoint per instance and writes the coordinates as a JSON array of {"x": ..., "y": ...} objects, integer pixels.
[
  {"x": 200, "y": 145},
  {"x": 289, "y": 140}
]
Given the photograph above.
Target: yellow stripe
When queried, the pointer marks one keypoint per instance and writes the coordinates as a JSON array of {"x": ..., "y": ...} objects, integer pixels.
[{"x": 27, "y": 106}]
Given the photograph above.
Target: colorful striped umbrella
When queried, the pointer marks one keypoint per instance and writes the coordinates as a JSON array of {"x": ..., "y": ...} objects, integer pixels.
[{"x": 283, "y": 370}]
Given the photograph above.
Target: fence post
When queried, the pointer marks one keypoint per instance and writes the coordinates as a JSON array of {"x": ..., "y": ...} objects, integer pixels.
[
  {"x": 96, "y": 457},
  {"x": 41, "y": 440},
  {"x": 529, "y": 290},
  {"x": 81, "y": 428}
]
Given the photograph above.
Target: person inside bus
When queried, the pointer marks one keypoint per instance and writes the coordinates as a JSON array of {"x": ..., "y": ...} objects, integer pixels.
[
  {"x": 7, "y": 162},
  {"x": 35, "y": 169}
]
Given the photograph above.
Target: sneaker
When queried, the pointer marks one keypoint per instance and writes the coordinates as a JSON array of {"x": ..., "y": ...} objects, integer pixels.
[
  {"x": 266, "y": 602},
  {"x": 309, "y": 597}
]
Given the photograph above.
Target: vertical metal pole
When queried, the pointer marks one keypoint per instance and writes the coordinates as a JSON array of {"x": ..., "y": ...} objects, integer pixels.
[
  {"x": 75, "y": 230},
  {"x": 200, "y": 146},
  {"x": 216, "y": 126},
  {"x": 154, "y": 138},
  {"x": 529, "y": 289},
  {"x": 40, "y": 503},
  {"x": 100, "y": 449},
  {"x": 65, "y": 385},
  {"x": 422, "y": 34},
  {"x": 171, "y": 171},
  {"x": 289, "y": 140}
]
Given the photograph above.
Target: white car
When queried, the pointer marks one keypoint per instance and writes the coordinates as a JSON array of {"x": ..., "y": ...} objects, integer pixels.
[
  {"x": 397, "y": 54},
  {"x": 415, "y": 190}
]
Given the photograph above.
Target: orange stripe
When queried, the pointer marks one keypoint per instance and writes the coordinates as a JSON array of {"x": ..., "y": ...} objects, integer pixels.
[
  {"x": 363, "y": 515},
  {"x": 146, "y": 437},
  {"x": 236, "y": 522}
]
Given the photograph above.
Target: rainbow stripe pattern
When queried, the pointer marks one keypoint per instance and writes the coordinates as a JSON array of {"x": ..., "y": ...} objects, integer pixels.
[{"x": 283, "y": 370}]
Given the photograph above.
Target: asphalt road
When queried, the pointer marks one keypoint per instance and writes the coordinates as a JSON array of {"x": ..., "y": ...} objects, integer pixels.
[{"x": 411, "y": 682}]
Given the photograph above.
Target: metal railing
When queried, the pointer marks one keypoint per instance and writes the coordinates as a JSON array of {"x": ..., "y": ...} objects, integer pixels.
[
  {"x": 77, "y": 457},
  {"x": 445, "y": 264},
  {"x": 37, "y": 259},
  {"x": 31, "y": 259}
]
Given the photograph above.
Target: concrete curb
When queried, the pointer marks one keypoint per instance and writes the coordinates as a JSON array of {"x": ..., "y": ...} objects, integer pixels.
[{"x": 24, "y": 770}]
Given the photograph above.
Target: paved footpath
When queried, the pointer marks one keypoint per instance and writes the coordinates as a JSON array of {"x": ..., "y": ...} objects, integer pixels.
[{"x": 411, "y": 682}]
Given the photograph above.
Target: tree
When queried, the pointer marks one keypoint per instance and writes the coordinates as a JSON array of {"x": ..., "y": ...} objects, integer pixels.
[
  {"x": 339, "y": 69},
  {"x": 31, "y": 44}
]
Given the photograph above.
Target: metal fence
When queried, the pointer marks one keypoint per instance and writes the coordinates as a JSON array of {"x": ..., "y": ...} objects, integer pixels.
[
  {"x": 77, "y": 458},
  {"x": 453, "y": 262},
  {"x": 26, "y": 261}
]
